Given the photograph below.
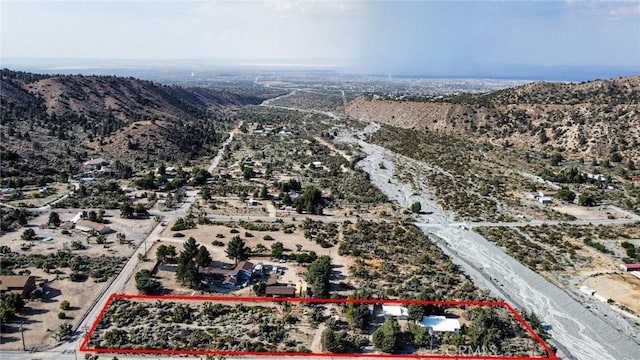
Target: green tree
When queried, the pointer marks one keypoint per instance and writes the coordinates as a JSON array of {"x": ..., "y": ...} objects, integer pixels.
[
  {"x": 386, "y": 337},
  {"x": 319, "y": 275},
  {"x": 187, "y": 272},
  {"x": 141, "y": 210},
  {"x": 63, "y": 332},
  {"x": 28, "y": 234},
  {"x": 417, "y": 311},
  {"x": 565, "y": 194},
  {"x": 93, "y": 216},
  {"x": 586, "y": 199},
  {"x": 200, "y": 176},
  {"x": 616, "y": 157},
  {"x": 487, "y": 329},
  {"x": 421, "y": 337},
  {"x": 247, "y": 172},
  {"x": 121, "y": 238},
  {"x": 65, "y": 305},
  {"x": 166, "y": 253},
  {"x": 260, "y": 288},
  {"x": 237, "y": 249},
  {"x": 416, "y": 207},
  {"x": 203, "y": 257},
  {"x": 11, "y": 304},
  {"x": 126, "y": 211},
  {"x": 332, "y": 341},
  {"x": 115, "y": 338},
  {"x": 54, "y": 219},
  {"x": 358, "y": 313},
  {"x": 146, "y": 284},
  {"x": 556, "y": 159},
  {"x": 311, "y": 199},
  {"x": 277, "y": 249},
  {"x": 22, "y": 217}
]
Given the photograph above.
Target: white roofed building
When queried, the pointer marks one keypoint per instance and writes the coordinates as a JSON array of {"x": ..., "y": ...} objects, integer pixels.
[
  {"x": 395, "y": 311},
  {"x": 440, "y": 324}
]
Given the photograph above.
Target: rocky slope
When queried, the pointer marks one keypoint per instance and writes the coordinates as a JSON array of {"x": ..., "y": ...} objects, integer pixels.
[
  {"x": 594, "y": 119},
  {"x": 50, "y": 124}
]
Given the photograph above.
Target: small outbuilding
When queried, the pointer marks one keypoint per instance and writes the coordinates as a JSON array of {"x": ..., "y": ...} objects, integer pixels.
[
  {"x": 440, "y": 324},
  {"x": 395, "y": 311},
  {"x": 630, "y": 267},
  {"x": 280, "y": 291}
]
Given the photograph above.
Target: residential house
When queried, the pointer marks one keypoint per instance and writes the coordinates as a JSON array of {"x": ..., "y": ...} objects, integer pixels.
[
  {"x": 22, "y": 285},
  {"x": 95, "y": 163},
  {"x": 87, "y": 226},
  {"x": 545, "y": 200},
  {"x": 235, "y": 278}
]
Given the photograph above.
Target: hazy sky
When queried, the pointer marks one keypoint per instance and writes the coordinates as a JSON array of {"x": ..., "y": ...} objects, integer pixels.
[{"x": 400, "y": 37}]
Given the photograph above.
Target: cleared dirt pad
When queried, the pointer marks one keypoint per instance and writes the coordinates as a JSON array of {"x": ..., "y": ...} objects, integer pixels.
[
  {"x": 587, "y": 213},
  {"x": 623, "y": 288}
]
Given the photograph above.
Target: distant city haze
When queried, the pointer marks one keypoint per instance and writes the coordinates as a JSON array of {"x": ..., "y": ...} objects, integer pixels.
[{"x": 566, "y": 40}]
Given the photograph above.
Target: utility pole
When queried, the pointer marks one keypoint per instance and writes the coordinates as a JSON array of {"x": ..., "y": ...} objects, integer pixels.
[{"x": 24, "y": 347}]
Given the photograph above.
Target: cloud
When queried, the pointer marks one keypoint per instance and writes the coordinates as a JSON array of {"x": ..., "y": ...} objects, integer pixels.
[{"x": 625, "y": 11}]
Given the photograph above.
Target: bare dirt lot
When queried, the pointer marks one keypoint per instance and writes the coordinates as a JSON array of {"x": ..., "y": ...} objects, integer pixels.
[
  {"x": 623, "y": 288},
  {"x": 41, "y": 316},
  {"x": 589, "y": 213}
]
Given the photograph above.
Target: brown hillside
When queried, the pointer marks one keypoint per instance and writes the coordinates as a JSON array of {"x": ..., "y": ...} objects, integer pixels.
[
  {"x": 50, "y": 124},
  {"x": 592, "y": 119}
]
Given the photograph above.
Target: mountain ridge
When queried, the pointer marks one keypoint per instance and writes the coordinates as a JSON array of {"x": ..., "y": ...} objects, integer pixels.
[
  {"x": 589, "y": 119},
  {"x": 50, "y": 124}
]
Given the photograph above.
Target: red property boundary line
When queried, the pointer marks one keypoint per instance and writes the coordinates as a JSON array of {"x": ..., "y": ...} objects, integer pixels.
[{"x": 84, "y": 348}]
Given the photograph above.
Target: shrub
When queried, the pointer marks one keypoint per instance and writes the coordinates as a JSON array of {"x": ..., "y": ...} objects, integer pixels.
[
  {"x": 268, "y": 237},
  {"x": 416, "y": 207},
  {"x": 62, "y": 315},
  {"x": 178, "y": 235},
  {"x": 78, "y": 276},
  {"x": 64, "y": 305}
]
